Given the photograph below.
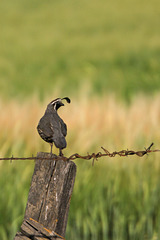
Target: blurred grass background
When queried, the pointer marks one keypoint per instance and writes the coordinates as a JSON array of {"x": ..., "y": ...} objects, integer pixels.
[
  {"x": 106, "y": 57},
  {"x": 48, "y": 45}
]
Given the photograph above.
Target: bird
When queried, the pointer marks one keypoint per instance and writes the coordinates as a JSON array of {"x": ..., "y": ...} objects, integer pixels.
[{"x": 51, "y": 127}]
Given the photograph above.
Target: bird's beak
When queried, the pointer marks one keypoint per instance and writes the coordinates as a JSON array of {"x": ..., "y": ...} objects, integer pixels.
[
  {"x": 61, "y": 104},
  {"x": 67, "y": 99}
]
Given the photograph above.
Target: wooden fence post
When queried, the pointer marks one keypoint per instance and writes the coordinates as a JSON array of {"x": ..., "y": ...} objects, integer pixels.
[{"x": 48, "y": 200}]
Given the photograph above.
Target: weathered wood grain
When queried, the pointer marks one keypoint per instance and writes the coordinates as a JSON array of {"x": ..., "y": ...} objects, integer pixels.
[
  {"x": 50, "y": 193},
  {"x": 32, "y": 228}
]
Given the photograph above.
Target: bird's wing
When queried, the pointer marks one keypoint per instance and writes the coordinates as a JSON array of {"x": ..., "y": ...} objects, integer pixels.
[
  {"x": 58, "y": 123},
  {"x": 45, "y": 129},
  {"x": 63, "y": 128}
]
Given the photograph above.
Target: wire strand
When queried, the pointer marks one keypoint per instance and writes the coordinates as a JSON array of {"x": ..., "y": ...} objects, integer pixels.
[{"x": 93, "y": 156}]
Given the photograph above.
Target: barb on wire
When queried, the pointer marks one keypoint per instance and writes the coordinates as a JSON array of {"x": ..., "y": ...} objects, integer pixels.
[{"x": 93, "y": 156}]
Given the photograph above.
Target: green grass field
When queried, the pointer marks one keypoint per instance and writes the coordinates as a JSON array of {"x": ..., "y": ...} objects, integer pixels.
[
  {"x": 57, "y": 45},
  {"x": 103, "y": 55}
]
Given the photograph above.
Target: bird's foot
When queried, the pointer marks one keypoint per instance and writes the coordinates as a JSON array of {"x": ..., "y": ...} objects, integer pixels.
[
  {"x": 60, "y": 153},
  {"x": 51, "y": 144}
]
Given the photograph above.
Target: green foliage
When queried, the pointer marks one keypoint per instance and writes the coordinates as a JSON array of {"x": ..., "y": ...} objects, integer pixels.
[
  {"x": 119, "y": 201},
  {"x": 116, "y": 199},
  {"x": 47, "y": 45},
  {"x": 14, "y": 184}
]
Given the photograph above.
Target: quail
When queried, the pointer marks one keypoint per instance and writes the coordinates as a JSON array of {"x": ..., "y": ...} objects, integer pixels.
[{"x": 51, "y": 127}]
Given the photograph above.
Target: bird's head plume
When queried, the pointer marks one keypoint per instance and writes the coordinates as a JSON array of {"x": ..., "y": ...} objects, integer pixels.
[{"x": 57, "y": 103}]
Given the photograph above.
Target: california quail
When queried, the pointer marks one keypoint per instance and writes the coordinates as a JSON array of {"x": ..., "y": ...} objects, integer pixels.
[{"x": 51, "y": 127}]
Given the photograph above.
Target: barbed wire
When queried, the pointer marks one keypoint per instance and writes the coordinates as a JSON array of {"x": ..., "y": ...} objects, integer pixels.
[{"x": 93, "y": 156}]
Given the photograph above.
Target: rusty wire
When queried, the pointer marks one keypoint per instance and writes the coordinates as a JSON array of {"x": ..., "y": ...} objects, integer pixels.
[{"x": 93, "y": 156}]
